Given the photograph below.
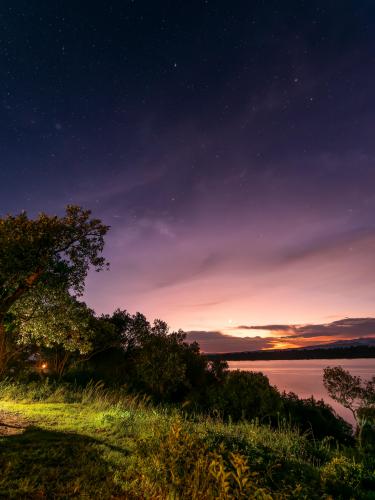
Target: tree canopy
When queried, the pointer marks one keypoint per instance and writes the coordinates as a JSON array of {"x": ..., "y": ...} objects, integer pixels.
[
  {"x": 45, "y": 253},
  {"x": 353, "y": 393}
]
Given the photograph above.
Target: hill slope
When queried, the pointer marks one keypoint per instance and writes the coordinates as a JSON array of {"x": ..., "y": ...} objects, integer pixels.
[{"x": 96, "y": 447}]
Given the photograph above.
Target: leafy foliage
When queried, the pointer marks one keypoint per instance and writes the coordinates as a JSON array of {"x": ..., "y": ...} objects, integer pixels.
[
  {"x": 56, "y": 319},
  {"x": 342, "y": 477},
  {"x": 48, "y": 248},
  {"x": 354, "y": 394},
  {"x": 37, "y": 255},
  {"x": 147, "y": 357},
  {"x": 245, "y": 395},
  {"x": 186, "y": 468},
  {"x": 126, "y": 448},
  {"x": 316, "y": 417}
]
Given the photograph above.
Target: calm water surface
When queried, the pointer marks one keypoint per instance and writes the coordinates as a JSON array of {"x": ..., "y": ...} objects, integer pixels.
[{"x": 305, "y": 377}]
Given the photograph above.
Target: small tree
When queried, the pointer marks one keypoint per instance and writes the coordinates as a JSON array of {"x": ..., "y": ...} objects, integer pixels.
[
  {"x": 46, "y": 251},
  {"x": 160, "y": 362},
  {"x": 352, "y": 393}
]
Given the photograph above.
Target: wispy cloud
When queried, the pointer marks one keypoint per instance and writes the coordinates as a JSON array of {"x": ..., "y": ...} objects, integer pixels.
[
  {"x": 196, "y": 270},
  {"x": 343, "y": 328},
  {"x": 348, "y": 328},
  {"x": 215, "y": 341},
  {"x": 325, "y": 245},
  {"x": 271, "y": 328}
]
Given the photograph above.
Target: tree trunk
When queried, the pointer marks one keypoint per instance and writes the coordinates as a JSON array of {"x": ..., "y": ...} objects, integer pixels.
[
  {"x": 5, "y": 305},
  {"x": 58, "y": 360}
]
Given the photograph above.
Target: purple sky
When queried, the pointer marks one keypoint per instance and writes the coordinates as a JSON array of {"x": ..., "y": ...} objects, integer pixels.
[{"x": 231, "y": 149}]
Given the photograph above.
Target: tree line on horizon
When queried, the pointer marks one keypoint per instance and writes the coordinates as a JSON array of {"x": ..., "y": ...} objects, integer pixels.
[
  {"x": 45, "y": 330},
  {"x": 298, "y": 353}
]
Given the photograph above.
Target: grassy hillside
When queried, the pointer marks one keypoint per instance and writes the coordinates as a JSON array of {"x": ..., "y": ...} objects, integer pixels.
[{"x": 90, "y": 443}]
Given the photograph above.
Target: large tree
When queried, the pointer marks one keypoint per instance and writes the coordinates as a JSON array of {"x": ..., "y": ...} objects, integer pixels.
[{"x": 48, "y": 251}]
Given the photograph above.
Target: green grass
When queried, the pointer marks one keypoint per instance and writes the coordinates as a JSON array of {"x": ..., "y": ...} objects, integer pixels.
[{"x": 94, "y": 443}]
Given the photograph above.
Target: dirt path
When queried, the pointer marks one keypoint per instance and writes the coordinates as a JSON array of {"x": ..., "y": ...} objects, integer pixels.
[{"x": 12, "y": 423}]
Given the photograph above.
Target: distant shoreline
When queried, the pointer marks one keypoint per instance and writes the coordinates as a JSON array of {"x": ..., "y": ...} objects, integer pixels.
[{"x": 356, "y": 352}]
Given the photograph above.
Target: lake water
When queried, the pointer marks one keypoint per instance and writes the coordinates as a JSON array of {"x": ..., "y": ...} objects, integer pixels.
[{"x": 305, "y": 377}]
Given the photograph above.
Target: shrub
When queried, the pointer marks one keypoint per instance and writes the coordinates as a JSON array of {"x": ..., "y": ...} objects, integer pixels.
[
  {"x": 182, "y": 466},
  {"x": 316, "y": 417},
  {"x": 342, "y": 477},
  {"x": 245, "y": 395}
]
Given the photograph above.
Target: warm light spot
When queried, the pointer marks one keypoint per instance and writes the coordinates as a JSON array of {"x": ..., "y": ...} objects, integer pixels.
[
  {"x": 281, "y": 345},
  {"x": 44, "y": 366}
]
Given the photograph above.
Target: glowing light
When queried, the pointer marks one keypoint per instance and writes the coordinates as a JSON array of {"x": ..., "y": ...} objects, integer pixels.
[{"x": 44, "y": 366}]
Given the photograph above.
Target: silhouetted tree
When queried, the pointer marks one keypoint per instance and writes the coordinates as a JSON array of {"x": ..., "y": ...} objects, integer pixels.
[
  {"x": 165, "y": 366},
  {"x": 352, "y": 393}
]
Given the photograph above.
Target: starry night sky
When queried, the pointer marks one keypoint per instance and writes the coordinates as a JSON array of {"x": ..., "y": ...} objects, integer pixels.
[{"x": 230, "y": 145}]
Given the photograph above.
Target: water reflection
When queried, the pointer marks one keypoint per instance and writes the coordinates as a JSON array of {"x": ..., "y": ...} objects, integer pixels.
[{"x": 305, "y": 377}]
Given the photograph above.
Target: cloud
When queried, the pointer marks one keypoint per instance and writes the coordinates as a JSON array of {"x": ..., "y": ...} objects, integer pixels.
[
  {"x": 346, "y": 327},
  {"x": 271, "y": 328},
  {"x": 215, "y": 341},
  {"x": 341, "y": 242},
  {"x": 157, "y": 225},
  {"x": 191, "y": 272},
  {"x": 199, "y": 305}
]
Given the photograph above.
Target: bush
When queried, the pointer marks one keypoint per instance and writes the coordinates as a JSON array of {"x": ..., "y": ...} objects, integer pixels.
[
  {"x": 316, "y": 417},
  {"x": 367, "y": 429},
  {"x": 245, "y": 395},
  {"x": 341, "y": 477},
  {"x": 182, "y": 466}
]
